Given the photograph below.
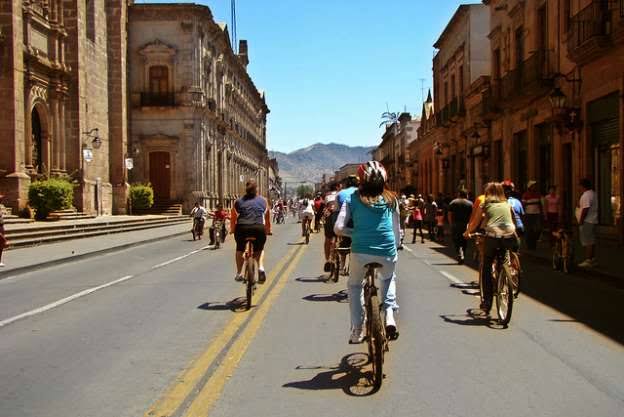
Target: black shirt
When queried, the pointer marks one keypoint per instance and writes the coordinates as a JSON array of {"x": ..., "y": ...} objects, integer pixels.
[{"x": 461, "y": 209}]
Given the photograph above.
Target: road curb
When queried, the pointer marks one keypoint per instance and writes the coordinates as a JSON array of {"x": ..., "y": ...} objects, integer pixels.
[{"x": 42, "y": 265}]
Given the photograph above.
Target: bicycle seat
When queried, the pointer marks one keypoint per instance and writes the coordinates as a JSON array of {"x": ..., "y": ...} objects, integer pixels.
[
  {"x": 345, "y": 250},
  {"x": 373, "y": 265}
]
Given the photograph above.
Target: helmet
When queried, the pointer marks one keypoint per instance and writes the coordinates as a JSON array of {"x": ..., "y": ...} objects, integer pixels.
[
  {"x": 371, "y": 172},
  {"x": 508, "y": 184}
]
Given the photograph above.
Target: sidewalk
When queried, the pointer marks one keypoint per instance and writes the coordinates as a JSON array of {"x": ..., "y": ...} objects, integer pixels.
[
  {"x": 27, "y": 259},
  {"x": 608, "y": 255}
]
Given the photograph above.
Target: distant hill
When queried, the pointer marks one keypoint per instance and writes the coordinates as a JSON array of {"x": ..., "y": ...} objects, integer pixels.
[{"x": 309, "y": 164}]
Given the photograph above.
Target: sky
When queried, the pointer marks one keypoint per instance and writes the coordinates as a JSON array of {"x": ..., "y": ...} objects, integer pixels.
[{"x": 330, "y": 68}]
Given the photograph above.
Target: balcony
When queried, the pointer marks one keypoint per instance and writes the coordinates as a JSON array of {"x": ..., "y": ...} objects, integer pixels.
[
  {"x": 150, "y": 99},
  {"x": 490, "y": 101},
  {"x": 530, "y": 78},
  {"x": 591, "y": 29}
]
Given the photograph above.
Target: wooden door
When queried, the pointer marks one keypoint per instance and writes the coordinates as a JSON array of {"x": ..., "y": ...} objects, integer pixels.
[{"x": 160, "y": 175}]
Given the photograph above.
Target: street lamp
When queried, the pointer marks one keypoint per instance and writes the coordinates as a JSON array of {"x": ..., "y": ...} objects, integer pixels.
[
  {"x": 94, "y": 134},
  {"x": 557, "y": 99}
]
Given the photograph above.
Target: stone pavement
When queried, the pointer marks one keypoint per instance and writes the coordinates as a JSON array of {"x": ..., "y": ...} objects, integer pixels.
[{"x": 32, "y": 258}]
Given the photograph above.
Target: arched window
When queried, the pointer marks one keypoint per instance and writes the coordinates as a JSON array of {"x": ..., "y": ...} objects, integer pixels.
[
  {"x": 37, "y": 142},
  {"x": 159, "y": 79}
]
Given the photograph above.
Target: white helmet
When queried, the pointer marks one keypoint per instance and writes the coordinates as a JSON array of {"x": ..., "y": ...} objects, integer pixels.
[{"x": 372, "y": 172}]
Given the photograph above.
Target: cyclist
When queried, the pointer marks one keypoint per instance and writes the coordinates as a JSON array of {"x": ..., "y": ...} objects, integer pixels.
[
  {"x": 348, "y": 187},
  {"x": 250, "y": 218},
  {"x": 500, "y": 233},
  {"x": 375, "y": 214},
  {"x": 459, "y": 212},
  {"x": 306, "y": 213},
  {"x": 199, "y": 214},
  {"x": 319, "y": 207},
  {"x": 219, "y": 215},
  {"x": 516, "y": 205}
]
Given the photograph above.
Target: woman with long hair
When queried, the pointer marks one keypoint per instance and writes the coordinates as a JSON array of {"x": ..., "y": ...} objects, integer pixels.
[
  {"x": 375, "y": 235},
  {"x": 500, "y": 233}
]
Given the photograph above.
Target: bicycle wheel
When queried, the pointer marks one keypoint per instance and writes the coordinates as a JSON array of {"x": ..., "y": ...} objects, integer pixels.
[
  {"x": 336, "y": 270},
  {"x": 504, "y": 295},
  {"x": 307, "y": 235},
  {"x": 217, "y": 239},
  {"x": 250, "y": 277},
  {"x": 376, "y": 342},
  {"x": 514, "y": 263}
]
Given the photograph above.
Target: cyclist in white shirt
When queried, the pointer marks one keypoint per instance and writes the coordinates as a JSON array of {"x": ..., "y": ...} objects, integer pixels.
[{"x": 306, "y": 212}]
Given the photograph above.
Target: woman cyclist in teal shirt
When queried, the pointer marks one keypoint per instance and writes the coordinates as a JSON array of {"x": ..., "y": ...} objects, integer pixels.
[{"x": 375, "y": 237}]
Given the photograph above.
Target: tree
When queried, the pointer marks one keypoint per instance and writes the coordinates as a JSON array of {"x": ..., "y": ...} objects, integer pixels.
[
  {"x": 389, "y": 118},
  {"x": 304, "y": 190}
]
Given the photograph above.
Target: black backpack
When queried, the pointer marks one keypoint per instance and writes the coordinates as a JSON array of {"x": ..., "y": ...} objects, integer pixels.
[{"x": 305, "y": 203}]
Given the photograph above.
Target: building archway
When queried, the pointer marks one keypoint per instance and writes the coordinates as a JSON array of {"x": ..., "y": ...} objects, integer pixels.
[{"x": 38, "y": 139}]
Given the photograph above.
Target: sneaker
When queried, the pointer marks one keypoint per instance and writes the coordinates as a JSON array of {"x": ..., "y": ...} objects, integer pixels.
[
  {"x": 357, "y": 336},
  {"x": 261, "y": 276},
  {"x": 239, "y": 278},
  {"x": 391, "y": 327},
  {"x": 1, "y": 264},
  {"x": 587, "y": 263},
  {"x": 327, "y": 266}
]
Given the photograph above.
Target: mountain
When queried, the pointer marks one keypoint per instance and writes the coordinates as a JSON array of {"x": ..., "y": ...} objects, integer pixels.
[{"x": 310, "y": 163}]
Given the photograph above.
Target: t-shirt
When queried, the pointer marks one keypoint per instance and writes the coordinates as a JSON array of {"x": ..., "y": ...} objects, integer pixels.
[
  {"x": 344, "y": 195},
  {"x": 552, "y": 203},
  {"x": 430, "y": 211},
  {"x": 532, "y": 202},
  {"x": 461, "y": 209},
  {"x": 374, "y": 234},
  {"x": 498, "y": 218},
  {"x": 518, "y": 211},
  {"x": 307, "y": 208},
  {"x": 220, "y": 215},
  {"x": 330, "y": 197},
  {"x": 588, "y": 201},
  {"x": 250, "y": 210}
]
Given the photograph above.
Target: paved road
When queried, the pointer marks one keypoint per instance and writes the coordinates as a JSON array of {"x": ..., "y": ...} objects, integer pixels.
[{"x": 154, "y": 331}]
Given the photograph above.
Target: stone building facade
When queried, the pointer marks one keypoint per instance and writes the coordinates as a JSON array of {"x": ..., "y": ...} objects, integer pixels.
[
  {"x": 197, "y": 121},
  {"x": 550, "y": 107},
  {"x": 56, "y": 70}
]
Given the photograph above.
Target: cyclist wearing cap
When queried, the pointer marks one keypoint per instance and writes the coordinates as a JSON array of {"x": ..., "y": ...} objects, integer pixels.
[
  {"x": 250, "y": 218},
  {"x": 375, "y": 234}
]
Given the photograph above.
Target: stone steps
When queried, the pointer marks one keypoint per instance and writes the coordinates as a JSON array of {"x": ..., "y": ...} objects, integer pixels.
[{"x": 31, "y": 236}]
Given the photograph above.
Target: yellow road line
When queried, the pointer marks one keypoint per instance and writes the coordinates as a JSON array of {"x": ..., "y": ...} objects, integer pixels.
[
  {"x": 186, "y": 381},
  {"x": 210, "y": 393}
]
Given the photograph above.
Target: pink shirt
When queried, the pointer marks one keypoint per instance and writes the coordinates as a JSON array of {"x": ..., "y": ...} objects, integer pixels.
[{"x": 552, "y": 203}]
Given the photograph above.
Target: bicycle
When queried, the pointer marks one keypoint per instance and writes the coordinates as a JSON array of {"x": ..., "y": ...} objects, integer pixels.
[
  {"x": 337, "y": 253},
  {"x": 563, "y": 251},
  {"x": 503, "y": 280},
  {"x": 306, "y": 229},
  {"x": 198, "y": 228},
  {"x": 375, "y": 330},
  {"x": 218, "y": 233},
  {"x": 250, "y": 268}
]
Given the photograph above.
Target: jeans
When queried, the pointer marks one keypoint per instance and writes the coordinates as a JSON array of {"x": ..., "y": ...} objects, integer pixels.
[
  {"x": 459, "y": 240},
  {"x": 492, "y": 245},
  {"x": 387, "y": 281}
]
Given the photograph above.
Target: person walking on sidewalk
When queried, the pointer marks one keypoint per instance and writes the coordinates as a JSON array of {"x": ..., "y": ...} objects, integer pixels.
[
  {"x": 551, "y": 217},
  {"x": 431, "y": 208},
  {"x": 587, "y": 216},
  {"x": 459, "y": 212},
  {"x": 532, "y": 202},
  {"x": 3, "y": 241},
  {"x": 417, "y": 218}
]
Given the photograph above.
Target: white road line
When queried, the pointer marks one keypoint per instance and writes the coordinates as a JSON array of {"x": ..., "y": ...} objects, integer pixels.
[
  {"x": 179, "y": 258},
  {"x": 452, "y": 277},
  {"x": 66, "y": 300}
]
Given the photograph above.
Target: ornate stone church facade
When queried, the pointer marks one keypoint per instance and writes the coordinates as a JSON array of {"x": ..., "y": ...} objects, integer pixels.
[
  {"x": 62, "y": 93},
  {"x": 197, "y": 121}
]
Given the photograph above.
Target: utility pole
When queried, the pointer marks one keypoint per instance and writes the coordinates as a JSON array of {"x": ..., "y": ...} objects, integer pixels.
[{"x": 233, "y": 28}]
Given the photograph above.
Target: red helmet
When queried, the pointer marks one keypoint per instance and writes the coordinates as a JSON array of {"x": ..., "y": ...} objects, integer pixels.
[
  {"x": 372, "y": 171},
  {"x": 509, "y": 184}
]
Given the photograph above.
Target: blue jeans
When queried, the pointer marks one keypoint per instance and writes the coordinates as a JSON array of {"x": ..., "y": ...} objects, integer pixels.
[{"x": 386, "y": 275}]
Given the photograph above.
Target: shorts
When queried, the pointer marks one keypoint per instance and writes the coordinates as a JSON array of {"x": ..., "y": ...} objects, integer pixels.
[
  {"x": 306, "y": 215},
  {"x": 587, "y": 234},
  {"x": 330, "y": 222},
  {"x": 243, "y": 231}
]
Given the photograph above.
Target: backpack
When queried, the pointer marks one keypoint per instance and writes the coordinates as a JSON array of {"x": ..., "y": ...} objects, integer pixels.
[{"x": 305, "y": 203}]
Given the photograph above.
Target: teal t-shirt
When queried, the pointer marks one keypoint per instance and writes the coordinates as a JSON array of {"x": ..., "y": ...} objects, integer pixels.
[{"x": 373, "y": 233}]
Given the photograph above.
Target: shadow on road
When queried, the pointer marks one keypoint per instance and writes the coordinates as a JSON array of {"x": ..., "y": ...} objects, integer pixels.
[
  {"x": 339, "y": 297},
  {"x": 296, "y": 243},
  {"x": 320, "y": 278},
  {"x": 471, "y": 318},
  {"x": 587, "y": 299},
  {"x": 348, "y": 376},
  {"x": 236, "y": 305}
]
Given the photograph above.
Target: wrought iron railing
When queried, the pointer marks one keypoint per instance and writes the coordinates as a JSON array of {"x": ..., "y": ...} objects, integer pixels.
[
  {"x": 151, "y": 99},
  {"x": 595, "y": 20},
  {"x": 531, "y": 74}
]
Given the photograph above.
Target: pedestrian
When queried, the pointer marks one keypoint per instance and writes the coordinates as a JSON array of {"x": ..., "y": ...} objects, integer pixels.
[
  {"x": 3, "y": 241},
  {"x": 532, "y": 202},
  {"x": 459, "y": 212},
  {"x": 552, "y": 212},
  {"x": 439, "y": 227},
  {"x": 431, "y": 209},
  {"x": 587, "y": 216},
  {"x": 417, "y": 220}
]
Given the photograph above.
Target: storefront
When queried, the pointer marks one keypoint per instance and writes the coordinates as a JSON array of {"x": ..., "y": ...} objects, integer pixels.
[{"x": 603, "y": 118}]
